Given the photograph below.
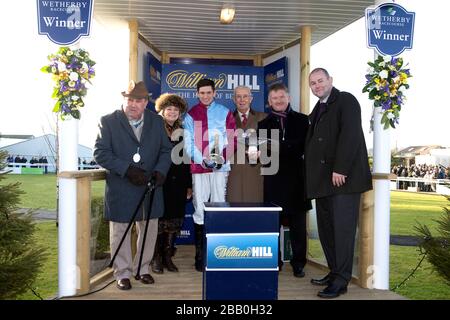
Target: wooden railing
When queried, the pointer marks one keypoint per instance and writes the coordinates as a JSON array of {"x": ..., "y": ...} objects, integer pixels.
[{"x": 84, "y": 179}]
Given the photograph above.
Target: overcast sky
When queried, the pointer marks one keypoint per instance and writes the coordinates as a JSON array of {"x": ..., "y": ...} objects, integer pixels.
[{"x": 423, "y": 120}]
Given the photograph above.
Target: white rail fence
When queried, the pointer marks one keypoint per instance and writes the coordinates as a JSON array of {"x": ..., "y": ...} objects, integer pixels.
[{"x": 438, "y": 186}]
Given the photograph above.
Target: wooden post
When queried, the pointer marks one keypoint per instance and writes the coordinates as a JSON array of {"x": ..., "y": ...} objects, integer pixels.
[
  {"x": 366, "y": 240},
  {"x": 305, "y": 48},
  {"x": 257, "y": 61},
  {"x": 133, "y": 60},
  {"x": 165, "y": 57},
  {"x": 83, "y": 233}
]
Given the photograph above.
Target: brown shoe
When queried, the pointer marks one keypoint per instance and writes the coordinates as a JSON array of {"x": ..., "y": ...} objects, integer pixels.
[
  {"x": 124, "y": 284},
  {"x": 147, "y": 279}
]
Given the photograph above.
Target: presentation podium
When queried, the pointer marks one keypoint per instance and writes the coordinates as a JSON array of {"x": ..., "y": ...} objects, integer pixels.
[{"x": 241, "y": 251}]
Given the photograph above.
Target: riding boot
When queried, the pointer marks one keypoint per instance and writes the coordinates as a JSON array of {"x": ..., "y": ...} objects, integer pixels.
[
  {"x": 169, "y": 239},
  {"x": 199, "y": 261},
  {"x": 157, "y": 263}
]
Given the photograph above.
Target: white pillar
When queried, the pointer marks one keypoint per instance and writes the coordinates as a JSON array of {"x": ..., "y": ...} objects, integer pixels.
[
  {"x": 67, "y": 227},
  {"x": 382, "y": 197}
]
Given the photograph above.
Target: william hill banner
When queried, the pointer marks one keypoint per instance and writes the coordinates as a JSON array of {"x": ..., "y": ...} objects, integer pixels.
[
  {"x": 242, "y": 251},
  {"x": 182, "y": 79}
]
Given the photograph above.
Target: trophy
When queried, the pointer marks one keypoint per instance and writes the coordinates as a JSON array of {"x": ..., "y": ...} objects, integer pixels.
[{"x": 215, "y": 159}]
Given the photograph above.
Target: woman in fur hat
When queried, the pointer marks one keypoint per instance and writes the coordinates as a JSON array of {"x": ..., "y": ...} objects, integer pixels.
[{"x": 178, "y": 185}]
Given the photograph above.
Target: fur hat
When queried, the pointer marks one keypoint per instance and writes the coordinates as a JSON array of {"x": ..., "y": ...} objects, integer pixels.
[
  {"x": 136, "y": 90},
  {"x": 170, "y": 99}
]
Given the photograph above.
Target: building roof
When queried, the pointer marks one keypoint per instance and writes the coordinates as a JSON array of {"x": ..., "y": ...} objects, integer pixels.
[{"x": 413, "y": 151}]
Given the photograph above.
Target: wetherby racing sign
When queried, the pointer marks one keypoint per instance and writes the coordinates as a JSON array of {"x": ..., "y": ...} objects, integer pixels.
[
  {"x": 64, "y": 22},
  {"x": 390, "y": 29}
]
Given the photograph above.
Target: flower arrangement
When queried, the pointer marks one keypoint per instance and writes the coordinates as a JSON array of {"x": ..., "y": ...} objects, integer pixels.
[
  {"x": 72, "y": 70},
  {"x": 386, "y": 85}
]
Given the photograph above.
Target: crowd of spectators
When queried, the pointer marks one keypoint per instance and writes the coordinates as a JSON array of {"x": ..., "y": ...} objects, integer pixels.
[{"x": 427, "y": 172}]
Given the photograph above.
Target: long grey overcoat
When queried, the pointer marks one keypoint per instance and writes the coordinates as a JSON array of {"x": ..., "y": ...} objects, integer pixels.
[{"x": 114, "y": 149}]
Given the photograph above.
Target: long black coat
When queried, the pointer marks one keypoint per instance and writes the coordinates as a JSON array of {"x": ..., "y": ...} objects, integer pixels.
[
  {"x": 178, "y": 180},
  {"x": 286, "y": 188},
  {"x": 337, "y": 144},
  {"x": 114, "y": 149}
]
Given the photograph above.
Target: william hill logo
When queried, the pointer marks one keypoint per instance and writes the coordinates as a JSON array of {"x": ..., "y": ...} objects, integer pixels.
[
  {"x": 182, "y": 79},
  {"x": 224, "y": 252}
]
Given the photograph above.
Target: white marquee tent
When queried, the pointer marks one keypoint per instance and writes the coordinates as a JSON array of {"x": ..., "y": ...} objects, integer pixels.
[{"x": 43, "y": 146}]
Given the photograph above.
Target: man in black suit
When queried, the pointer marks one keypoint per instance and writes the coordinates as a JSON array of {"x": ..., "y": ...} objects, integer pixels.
[
  {"x": 337, "y": 172},
  {"x": 285, "y": 187}
]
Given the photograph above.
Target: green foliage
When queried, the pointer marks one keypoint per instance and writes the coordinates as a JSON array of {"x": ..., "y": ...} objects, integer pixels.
[
  {"x": 437, "y": 248},
  {"x": 99, "y": 229},
  {"x": 20, "y": 258}
]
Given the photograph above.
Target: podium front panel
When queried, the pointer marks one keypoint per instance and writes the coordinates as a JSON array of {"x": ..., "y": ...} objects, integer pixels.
[{"x": 241, "y": 251}]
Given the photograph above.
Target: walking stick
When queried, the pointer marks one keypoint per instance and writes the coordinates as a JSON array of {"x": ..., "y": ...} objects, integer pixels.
[{"x": 149, "y": 188}]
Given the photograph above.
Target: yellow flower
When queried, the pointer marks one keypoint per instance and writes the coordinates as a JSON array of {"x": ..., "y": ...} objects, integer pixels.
[
  {"x": 72, "y": 84},
  {"x": 377, "y": 97}
]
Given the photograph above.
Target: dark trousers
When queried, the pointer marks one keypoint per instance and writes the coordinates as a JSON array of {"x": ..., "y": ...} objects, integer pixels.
[
  {"x": 337, "y": 219},
  {"x": 297, "y": 234}
]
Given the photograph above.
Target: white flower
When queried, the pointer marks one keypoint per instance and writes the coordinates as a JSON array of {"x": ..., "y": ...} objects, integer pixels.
[
  {"x": 402, "y": 89},
  {"x": 73, "y": 76},
  {"x": 69, "y": 53},
  {"x": 383, "y": 74},
  {"x": 387, "y": 58},
  {"x": 382, "y": 64},
  {"x": 75, "y": 98},
  {"x": 84, "y": 67},
  {"x": 390, "y": 115},
  {"x": 61, "y": 66}
]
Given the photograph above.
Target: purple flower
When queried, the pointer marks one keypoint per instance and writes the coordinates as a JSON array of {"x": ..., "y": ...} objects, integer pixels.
[
  {"x": 386, "y": 105},
  {"x": 393, "y": 74}
]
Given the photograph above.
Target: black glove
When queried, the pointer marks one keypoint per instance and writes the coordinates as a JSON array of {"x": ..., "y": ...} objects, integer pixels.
[
  {"x": 136, "y": 175},
  {"x": 159, "y": 178}
]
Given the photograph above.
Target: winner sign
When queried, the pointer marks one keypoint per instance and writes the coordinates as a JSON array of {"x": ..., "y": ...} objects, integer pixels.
[
  {"x": 390, "y": 29},
  {"x": 64, "y": 22}
]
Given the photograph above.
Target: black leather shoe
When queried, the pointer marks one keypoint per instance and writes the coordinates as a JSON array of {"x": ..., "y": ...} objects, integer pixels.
[
  {"x": 325, "y": 281},
  {"x": 298, "y": 272},
  {"x": 332, "y": 291},
  {"x": 147, "y": 279},
  {"x": 124, "y": 284}
]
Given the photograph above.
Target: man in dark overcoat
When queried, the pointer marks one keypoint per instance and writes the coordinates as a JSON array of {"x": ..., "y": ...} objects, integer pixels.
[
  {"x": 286, "y": 186},
  {"x": 133, "y": 146},
  {"x": 337, "y": 172}
]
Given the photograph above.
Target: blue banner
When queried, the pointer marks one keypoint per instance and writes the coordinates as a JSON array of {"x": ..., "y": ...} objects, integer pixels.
[
  {"x": 64, "y": 22},
  {"x": 275, "y": 72},
  {"x": 242, "y": 251},
  {"x": 152, "y": 79},
  {"x": 182, "y": 79},
  {"x": 390, "y": 29}
]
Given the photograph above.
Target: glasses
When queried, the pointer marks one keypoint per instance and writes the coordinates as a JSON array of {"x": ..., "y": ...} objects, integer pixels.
[{"x": 246, "y": 97}]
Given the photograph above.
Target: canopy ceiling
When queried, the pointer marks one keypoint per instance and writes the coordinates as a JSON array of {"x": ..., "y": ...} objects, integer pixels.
[{"x": 259, "y": 26}]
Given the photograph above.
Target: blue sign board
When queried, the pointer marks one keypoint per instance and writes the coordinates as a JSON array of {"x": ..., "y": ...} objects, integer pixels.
[
  {"x": 390, "y": 29},
  {"x": 152, "y": 79},
  {"x": 242, "y": 251},
  {"x": 275, "y": 72},
  {"x": 182, "y": 79},
  {"x": 64, "y": 22}
]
